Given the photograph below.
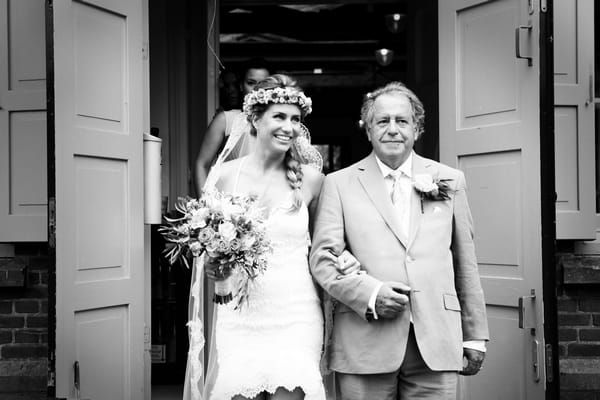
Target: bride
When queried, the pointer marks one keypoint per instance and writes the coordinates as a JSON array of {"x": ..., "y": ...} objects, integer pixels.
[{"x": 271, "y": 347}]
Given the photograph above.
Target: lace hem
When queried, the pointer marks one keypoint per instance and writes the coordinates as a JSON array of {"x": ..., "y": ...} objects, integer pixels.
[
  {"x": 240, "y": 372},
  {"x": 312, "y": 391}
]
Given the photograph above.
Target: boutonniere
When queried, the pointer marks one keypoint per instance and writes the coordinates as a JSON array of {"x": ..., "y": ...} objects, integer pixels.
[{"x": 430, "y": 188}]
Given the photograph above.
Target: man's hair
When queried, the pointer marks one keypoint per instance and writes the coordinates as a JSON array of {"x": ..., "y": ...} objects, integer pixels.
[{"x": 418, "y": 112}]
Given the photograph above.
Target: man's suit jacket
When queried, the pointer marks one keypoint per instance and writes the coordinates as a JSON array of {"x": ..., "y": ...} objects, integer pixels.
[{"x": 437, "y": 261}]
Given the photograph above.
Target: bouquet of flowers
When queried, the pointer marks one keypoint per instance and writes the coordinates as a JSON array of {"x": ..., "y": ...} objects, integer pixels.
[{"x": 229, "y": 230}]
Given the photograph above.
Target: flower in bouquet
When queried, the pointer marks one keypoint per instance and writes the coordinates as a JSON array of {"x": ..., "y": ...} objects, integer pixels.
[{"x": 229, "y": 230}]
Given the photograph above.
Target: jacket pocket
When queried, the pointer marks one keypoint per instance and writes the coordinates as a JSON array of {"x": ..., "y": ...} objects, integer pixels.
[{"x": 451, "y": 302}]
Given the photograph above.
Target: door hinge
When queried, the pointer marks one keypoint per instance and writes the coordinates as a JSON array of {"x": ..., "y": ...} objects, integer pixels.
[
  {"x": 52, "y": 222},
  {"x": 549, "y": 363},
  {"x": 51, "y": 371},
  {"x": 147, "y": 338},
  {"x": 51, "y": 379}
]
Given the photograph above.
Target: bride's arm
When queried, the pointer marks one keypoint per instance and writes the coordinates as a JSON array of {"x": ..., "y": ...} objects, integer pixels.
[
  {"x": 313, "y": 179},
  {"x": 312, "y": 182}
]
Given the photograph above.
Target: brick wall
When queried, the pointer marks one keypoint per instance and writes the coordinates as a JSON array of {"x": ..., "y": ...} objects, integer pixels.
[
  {"x": 24, "y": 322},
  {"x": 579, "y": 325}
]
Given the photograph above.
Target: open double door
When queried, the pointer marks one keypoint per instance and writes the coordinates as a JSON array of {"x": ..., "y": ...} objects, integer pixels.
[{"x": 489, "y": 127}]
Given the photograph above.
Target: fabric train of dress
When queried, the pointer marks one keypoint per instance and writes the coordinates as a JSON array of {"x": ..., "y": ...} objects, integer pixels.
[{"x": 275, "y": 340}]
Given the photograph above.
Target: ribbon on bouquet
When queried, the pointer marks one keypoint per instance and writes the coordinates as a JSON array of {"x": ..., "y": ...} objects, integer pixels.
[{"x": 194, "y": 386}]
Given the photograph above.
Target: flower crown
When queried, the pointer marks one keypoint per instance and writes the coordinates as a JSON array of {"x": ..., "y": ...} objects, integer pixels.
[{"x": 278, "y": 95}]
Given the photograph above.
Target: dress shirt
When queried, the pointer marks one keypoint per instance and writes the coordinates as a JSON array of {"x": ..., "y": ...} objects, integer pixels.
[{"x": 403, "y": 174}]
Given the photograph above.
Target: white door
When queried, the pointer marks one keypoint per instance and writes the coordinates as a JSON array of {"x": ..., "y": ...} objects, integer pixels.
[
  {"x": 23, "y": 197},
  {"x": 490, "y": 129},
  {"x": 98, "y": 111},
  {"x": 574, "y": 115}
]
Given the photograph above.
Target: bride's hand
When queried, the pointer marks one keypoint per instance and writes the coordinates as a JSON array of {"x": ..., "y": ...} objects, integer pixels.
[
  {"x": 211, "y": 269},
  {"x": 347, "y": 263}
]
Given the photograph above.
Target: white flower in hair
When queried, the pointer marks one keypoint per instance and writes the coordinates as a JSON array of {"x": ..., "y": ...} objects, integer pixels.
[{"x": 278, "y": 95}]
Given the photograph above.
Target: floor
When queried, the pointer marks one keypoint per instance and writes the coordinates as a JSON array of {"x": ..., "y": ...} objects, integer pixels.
[{"x": 167, "y": 392}]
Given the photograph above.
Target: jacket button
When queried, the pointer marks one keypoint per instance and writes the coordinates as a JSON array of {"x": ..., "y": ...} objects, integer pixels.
[{"x": 409, "y": 259}]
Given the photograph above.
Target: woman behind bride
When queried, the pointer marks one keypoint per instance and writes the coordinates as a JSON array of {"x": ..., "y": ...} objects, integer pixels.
[{"x": 271, "y": 347}]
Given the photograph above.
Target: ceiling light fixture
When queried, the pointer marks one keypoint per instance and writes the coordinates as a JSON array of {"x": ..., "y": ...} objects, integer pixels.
[
  {"x": 395, "y": 22},
  {"x": 384, "y": 56}
]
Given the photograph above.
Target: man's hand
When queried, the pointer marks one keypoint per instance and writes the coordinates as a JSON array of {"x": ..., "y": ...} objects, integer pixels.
[
  {"x": 474, "y": 360},
  {"x": 392, "y": 300}
]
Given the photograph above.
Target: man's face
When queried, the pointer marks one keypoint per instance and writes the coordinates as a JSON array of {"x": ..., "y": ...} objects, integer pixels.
[{"x": 392, "y": 129}]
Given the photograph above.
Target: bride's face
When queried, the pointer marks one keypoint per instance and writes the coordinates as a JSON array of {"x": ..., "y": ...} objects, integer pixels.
[{"x": 278, "y": 126}]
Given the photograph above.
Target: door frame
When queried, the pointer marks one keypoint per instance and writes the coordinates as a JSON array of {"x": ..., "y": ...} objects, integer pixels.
[
  {"x": 51, "y": 176},
  {"x": 548, "y": 199}
]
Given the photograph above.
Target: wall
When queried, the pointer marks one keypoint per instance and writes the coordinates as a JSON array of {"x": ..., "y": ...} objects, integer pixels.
[
  {"x": 578, "y": 292},
  {"x": 23, "y": 320}
]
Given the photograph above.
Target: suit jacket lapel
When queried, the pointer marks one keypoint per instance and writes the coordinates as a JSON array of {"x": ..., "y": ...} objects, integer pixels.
[
  {"x": 369, "y": 176},
  {"x": 420, "y": 166}
]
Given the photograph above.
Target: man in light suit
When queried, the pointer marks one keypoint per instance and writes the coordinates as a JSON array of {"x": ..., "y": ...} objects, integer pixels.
[{"x": 414, "y": 316}]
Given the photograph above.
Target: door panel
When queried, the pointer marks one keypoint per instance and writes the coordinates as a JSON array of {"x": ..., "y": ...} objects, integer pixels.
[
  {"x": 489, "y": 128},
  {"x": 99, "y": 198},
  {"x": 23, "y": 198},
  {"x": 574, "y": 119}
]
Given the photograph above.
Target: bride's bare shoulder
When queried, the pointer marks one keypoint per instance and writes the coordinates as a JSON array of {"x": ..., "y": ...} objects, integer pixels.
[{"x": 313, "y": 179}]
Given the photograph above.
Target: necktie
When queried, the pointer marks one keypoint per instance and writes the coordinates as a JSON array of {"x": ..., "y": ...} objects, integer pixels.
[{"x": 400, "y": 201}]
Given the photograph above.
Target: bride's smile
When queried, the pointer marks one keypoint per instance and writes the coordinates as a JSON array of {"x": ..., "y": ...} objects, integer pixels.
[{"x": 278, "y": 125}]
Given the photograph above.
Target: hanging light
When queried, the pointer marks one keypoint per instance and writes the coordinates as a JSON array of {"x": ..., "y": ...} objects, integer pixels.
[
  {"x": 384, "y": 56},
  {"x": 395, "y": 22}
]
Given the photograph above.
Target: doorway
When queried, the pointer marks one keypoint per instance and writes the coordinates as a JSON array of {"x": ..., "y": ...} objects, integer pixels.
[{"x": 329, "y": 48}]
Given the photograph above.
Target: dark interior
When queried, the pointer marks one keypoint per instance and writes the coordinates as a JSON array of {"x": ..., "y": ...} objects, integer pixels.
[{"x": 330, "y": 50}]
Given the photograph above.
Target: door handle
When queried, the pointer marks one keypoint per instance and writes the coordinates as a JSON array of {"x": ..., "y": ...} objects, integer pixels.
[
  {"x": 526, "y": 307},
  {"x": 518, "y": 43}
]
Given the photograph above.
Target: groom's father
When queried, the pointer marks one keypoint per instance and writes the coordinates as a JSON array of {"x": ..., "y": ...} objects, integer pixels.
[{"x": 401, "y": 326}]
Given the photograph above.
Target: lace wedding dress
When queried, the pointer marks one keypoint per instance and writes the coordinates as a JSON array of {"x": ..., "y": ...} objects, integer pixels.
[{"x": 275, "y": 340}]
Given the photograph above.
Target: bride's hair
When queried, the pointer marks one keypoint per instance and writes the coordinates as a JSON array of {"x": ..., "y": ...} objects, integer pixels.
[{"x": 291, "y": 161}]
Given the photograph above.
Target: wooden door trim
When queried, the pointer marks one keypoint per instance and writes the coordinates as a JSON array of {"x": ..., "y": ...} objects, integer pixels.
[
  {"x": 51, "y": 188},
  {"x": 548, "y": 200}
]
